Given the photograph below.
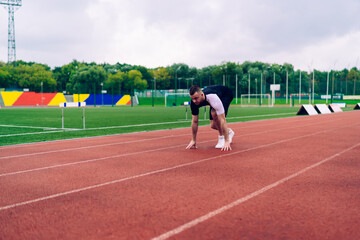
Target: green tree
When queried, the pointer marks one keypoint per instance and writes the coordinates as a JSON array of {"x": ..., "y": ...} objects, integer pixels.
[
  {"x": 114, "y": 82},
  {"x": 5, "y": 76},
  {"x": 163, "y": 77},
  {"x": 87, "y": 80},
  {"x": 135, "y": 81},
  {"x": 62, "y": 74},
  {"x": 353, "y": 76},
  {"x": 31, "y": 76}
]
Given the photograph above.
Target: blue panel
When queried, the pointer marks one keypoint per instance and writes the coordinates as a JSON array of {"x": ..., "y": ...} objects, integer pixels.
[{"x": 103, "y": 99}]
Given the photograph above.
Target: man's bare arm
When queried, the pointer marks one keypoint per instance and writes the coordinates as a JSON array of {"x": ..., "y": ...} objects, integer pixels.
[{"x": 194, "y": 129}]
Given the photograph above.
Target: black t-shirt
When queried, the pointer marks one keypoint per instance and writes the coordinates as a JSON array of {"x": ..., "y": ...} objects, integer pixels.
[{"x": 218, "y": 97}]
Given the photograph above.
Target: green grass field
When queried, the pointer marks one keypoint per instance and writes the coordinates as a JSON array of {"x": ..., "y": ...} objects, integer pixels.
[{"x": 26, "y": 125}]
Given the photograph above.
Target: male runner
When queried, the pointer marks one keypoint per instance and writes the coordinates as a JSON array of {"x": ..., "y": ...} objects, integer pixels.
[{"x": 219, "y": 98}]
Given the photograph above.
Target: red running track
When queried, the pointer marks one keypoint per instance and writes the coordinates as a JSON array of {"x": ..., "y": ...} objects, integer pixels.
[{"x": 293, "y": 178}]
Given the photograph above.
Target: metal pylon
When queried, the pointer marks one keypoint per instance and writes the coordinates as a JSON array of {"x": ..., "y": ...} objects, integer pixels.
[{"x": 12, "y": 6}]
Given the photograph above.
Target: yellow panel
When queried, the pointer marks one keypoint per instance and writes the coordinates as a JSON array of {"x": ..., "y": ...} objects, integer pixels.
[
  {"x": 81, "y": 97},
  {"x": 124, "y": 100},
  {"x": 59, "y": 98},
  {"x": 10, "y": 97}
]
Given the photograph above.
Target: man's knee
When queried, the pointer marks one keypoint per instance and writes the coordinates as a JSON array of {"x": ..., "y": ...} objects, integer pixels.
[
  {"x": 213, "y": 125},
  {"x": 213, "y": 114}
]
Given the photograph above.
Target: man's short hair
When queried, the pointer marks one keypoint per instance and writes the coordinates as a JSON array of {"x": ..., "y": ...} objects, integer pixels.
[{"x": 194, "y": 89}]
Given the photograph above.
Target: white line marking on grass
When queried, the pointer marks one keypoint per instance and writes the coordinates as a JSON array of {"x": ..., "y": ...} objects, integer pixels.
[
  {"x": 112, "y": 127},
  {"x": 32, "y": 127},
  {"x": 35, "y": 133},
  {"x": 24, "y": 134},
  {"x": 69, "y": 139},
  {"x": 160, "y": 170},
  {"x": 184, "y": 121},
  {"x": 218, "y": 211}
]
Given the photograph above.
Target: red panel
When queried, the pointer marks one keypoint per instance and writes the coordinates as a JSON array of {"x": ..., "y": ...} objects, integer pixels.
[{"x": 34, "y": 99}]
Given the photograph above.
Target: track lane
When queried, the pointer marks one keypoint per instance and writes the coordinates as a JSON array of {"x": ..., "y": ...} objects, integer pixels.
[
  {"x": 140, "y": 207},
  {"x": 73, "y": 176}
]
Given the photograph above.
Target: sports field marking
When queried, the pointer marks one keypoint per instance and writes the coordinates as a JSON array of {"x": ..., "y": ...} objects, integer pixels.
[
  {"x": 169, "y": 168},
  {"x": 34, "y": 133},
  {"x": 113, "y": 127},
  {"x": 109, "y": 144},
  {"x": 51, "y": 141},
  {"x": 247, "y": 197},
  {"x": 116, "y": 156},
  {"x": 184, "y": 121},
  {"x": 31, "y": 127},
  {"x": 88, "y": 147},
  {"x": 24, "y": 134},
  {"x": 112, "y": 144},
  {"x": 265, "y": 115},
  {"x": 255, "y": 116}
]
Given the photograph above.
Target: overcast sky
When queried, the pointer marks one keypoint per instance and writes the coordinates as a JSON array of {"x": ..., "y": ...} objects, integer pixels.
[{"x": 320, "y": 34}]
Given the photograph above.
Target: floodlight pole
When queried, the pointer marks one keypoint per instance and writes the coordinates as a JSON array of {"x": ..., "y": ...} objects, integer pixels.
[
  {"x": 42, "y": 93},
  {"x": 332, "y": 86},
  {"x": 11, "y": 5},
  {"x": 236, "y": 87},
  {"x": 313, "y": 87},
  {"x": 256, "y": 89},
  {"x": 102, "y": 94},
  {"x": 287, "y": 86},
  {"x": 327, "y": 87},
  {"x": 249, "y": 90},
  {"x": 261, "y": 88},
  {"x": 300, "y": 88},
  {"x": 153, "y": 99},
  {"x": 176, "y": 79}
]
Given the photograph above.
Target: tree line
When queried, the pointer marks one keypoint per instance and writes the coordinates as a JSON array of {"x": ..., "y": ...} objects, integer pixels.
[{"x": 254, "y": 77}]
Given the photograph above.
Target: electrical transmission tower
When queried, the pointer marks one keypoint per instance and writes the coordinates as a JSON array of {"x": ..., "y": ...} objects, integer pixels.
[{"x": 11, "y": 6}]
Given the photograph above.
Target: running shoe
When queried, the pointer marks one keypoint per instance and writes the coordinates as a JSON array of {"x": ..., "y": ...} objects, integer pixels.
[
  {"x": 231, "y": 134},
  {"x": 221, "y": 142}
]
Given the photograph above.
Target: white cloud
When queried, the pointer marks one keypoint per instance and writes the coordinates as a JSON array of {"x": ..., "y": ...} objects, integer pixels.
[
  {"x": 196, "y": 32},
  {"x": 335, "y": 52}
]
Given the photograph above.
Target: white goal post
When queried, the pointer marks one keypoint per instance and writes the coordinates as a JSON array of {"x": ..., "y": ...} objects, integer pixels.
[
  {"x": 255, "y": 99},
  {"x": 179, "y": 97},
  {"x": 299, "y": 96}
]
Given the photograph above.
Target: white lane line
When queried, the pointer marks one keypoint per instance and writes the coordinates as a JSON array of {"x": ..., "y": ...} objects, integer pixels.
[
  {"x": 218, "y": 211},
  {"x": 159, "y": 171},
  {"x": 170, "y": 136},
  {"x": 126, "y": 154},
  {"x": 186, "y": 121},
  {"x": 85, "y": 147},
  {"x": 81, "y": 138},
  {"x": 265, "y": 115}
]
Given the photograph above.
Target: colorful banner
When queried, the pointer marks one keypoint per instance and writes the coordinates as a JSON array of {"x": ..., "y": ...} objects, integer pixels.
[
  {"x": 102, "y": 99},
  {"x": 17, "y": 98},
  {"x": 32, "y": 99}
]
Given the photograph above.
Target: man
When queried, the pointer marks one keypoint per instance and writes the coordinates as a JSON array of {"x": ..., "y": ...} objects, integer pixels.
[{"x": 219, "y": 99}]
